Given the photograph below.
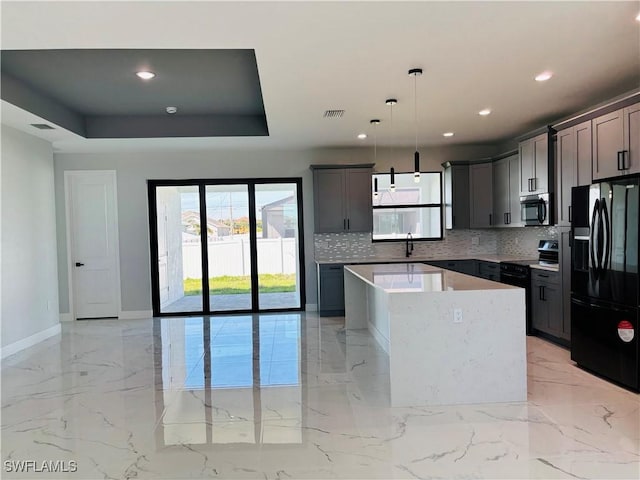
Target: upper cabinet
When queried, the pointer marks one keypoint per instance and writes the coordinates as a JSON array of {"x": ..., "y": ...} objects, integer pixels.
[
  {"x": 616, "y": 143},
  {"x": 456, "y": 196},
  {"x": 573, "y": 166},
  {"x": 342, "y": 198},
  {"x": 506, "y": 190},
  {"x": 534, "y": 165},
  {"x": 481, "y": 196}
]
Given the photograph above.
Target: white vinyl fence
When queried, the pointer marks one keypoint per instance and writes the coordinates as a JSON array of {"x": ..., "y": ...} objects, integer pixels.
[{"x": 231, "y": 257}]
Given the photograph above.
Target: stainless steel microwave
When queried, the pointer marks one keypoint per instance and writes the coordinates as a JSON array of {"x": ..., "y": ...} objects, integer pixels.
[{"x": 535, "y": 209}]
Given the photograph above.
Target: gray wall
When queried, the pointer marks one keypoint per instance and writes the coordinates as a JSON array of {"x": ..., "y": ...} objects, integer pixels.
[
  {"x": 134, "y": 169},
  {"x": 29, "y": 254}
]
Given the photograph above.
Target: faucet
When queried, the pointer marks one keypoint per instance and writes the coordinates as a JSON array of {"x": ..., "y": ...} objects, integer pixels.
[{"x": 409, "y": 245}]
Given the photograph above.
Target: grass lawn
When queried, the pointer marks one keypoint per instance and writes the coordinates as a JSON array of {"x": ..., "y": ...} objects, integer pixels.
[{"x": 226, "y": 285}]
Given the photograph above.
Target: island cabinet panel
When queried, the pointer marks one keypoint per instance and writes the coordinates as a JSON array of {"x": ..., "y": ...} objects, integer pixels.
[
  {"x": 342, "y": 199},
  {"x": 481, "y": 186},
  {"x": 546, "y": 302},
  {"x": 534, "y": 165},
  {"x": 464, "y": 336},
  {"x": 573, "y": 167},
  {"x": 616, "y": 143},
  {"x": 330, "y": 290}
]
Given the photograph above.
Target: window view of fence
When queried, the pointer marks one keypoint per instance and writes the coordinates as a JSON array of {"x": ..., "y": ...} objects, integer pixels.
[{"x": 228, "y": 233}]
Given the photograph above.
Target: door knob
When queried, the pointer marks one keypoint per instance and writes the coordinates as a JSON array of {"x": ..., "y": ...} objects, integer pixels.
[{"x": 78, "y": 264}]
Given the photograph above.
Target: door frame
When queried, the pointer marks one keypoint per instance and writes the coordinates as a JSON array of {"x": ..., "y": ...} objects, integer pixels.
[
  {"x": 68, "y": 175},
  {"x": 202, "y": 183}
]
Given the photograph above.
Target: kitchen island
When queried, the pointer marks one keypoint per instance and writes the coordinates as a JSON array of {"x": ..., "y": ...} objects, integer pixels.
[{"x": 451, "y": 338}]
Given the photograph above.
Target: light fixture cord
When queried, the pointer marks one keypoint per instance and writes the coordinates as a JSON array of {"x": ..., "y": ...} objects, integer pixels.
[{"x": 415, "y": 106}]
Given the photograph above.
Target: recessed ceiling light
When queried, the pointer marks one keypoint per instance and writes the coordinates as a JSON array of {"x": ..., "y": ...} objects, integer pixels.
[
  {"x": 544, "y": 76},
  {"x": 146, "y": 75},
  {"x": 484, "y": 112},
  {"x": 638, "y": 17},
  {"x": 447, "y": 134},
  {"x": 362, "y": 136}
]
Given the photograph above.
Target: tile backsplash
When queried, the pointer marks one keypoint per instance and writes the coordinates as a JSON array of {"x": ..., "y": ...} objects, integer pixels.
[{"x": 520, "y": 242}]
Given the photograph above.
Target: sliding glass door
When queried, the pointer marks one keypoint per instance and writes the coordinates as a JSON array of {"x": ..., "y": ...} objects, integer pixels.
[
  {"x": 229, "y": 247},
  {"x": 278, "y": 245},
  {"x": 226, "y": 246}
]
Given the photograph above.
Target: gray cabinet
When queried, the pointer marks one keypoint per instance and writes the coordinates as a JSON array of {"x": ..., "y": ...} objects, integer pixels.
[
  {"x": 456, "y": 196},
  {"x": 489, "y": 270},
  {"x": 342, "y": 198},
  {"x": 468, "y": 267},
  {"x": 331, "y": 290},
  {"x": 565, "y": 279},
  {"x": 481, "y": 196},
  {"x": 546, "y": 302},
  {"x": 616, "y": 143},
  {"x": 506, "y": 192},
  {"x": 573, "y": 167},
  {"x": 534, "y": 165}
]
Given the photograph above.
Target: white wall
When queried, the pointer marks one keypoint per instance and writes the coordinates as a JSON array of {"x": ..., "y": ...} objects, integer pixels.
[
  {"x": 29, "y": 252},
  {"x": 135, "y": 168}
]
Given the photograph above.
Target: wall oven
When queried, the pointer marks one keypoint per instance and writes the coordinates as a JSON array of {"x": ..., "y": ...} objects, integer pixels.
[{"x": 535, "y": 209}]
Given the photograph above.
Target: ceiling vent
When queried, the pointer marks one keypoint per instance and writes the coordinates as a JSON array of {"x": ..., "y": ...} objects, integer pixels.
[
  {"x": 333, "y": 113},
  {"x": 42, "y": 126}
]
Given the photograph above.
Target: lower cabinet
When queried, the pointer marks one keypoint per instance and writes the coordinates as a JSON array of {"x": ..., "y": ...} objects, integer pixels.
[
  {"x": 489, "y": 270},
  {"x": 331, "y": 290},
  {"x": 469, "y": 267},
  {"x": 546, "y": 303}
]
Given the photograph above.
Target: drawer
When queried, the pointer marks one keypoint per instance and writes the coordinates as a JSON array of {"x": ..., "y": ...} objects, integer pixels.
[
  {"x": 329, "y": 267},
  {"x": 543, "y": 276}
]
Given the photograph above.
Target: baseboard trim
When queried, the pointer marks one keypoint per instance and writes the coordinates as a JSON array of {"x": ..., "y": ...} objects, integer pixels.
[
  {"x": 135, "y": 314},
  {"x": 30, "y": 341},
  {"x": 66, "y": 317},
  {"x": 311, "y": 307}
]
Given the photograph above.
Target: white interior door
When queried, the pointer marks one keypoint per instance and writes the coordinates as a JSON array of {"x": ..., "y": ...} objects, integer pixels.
[{"x": 91, "y": 198}]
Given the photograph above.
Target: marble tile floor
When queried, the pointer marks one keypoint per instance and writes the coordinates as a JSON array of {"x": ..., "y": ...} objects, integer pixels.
[{"x": 282, "y": 396}]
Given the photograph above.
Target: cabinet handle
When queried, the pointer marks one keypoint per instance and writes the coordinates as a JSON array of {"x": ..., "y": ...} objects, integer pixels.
[
  {"x": 490, "y": 219},
  {"x": 534, "y": 183},
  {"x": 348, "y": 224},
  {"x": 506, "y": 219},
  {"x": 344, "y": 223},
  {"x": 509, "y": 217},
  {"x": 625, "y": 155},
  {"x": 529, "y": 185},
  {"x": 543, "y": 276},
  {"x": 620, "y": 161},
  {"x": 542, "y": 294},
  {"x": 569, "y": 213}
]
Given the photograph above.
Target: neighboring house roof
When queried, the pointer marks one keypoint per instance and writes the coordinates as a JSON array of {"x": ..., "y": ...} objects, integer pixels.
[{"x": 283, "y": 201}]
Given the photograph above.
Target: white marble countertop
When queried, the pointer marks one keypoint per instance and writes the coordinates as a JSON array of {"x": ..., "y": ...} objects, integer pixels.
[
  {"x": 415, "y": 259},
  {"x": 416, "y": 277}
]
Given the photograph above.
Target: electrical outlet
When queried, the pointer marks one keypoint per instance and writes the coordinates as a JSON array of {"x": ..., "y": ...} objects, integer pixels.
[
  {"x": 475, "y": 240},
  {"x": 457, "y": 315}
]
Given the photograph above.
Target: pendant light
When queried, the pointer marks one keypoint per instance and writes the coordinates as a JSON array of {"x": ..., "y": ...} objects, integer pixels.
[
  {"x": 416, "y": 72},
  {"x": 375, "y": 122},
  {"x": 392, "y": 186}
]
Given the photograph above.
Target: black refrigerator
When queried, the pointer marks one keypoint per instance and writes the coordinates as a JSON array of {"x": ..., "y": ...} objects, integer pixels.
[{"x": 604, "y": 280}]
